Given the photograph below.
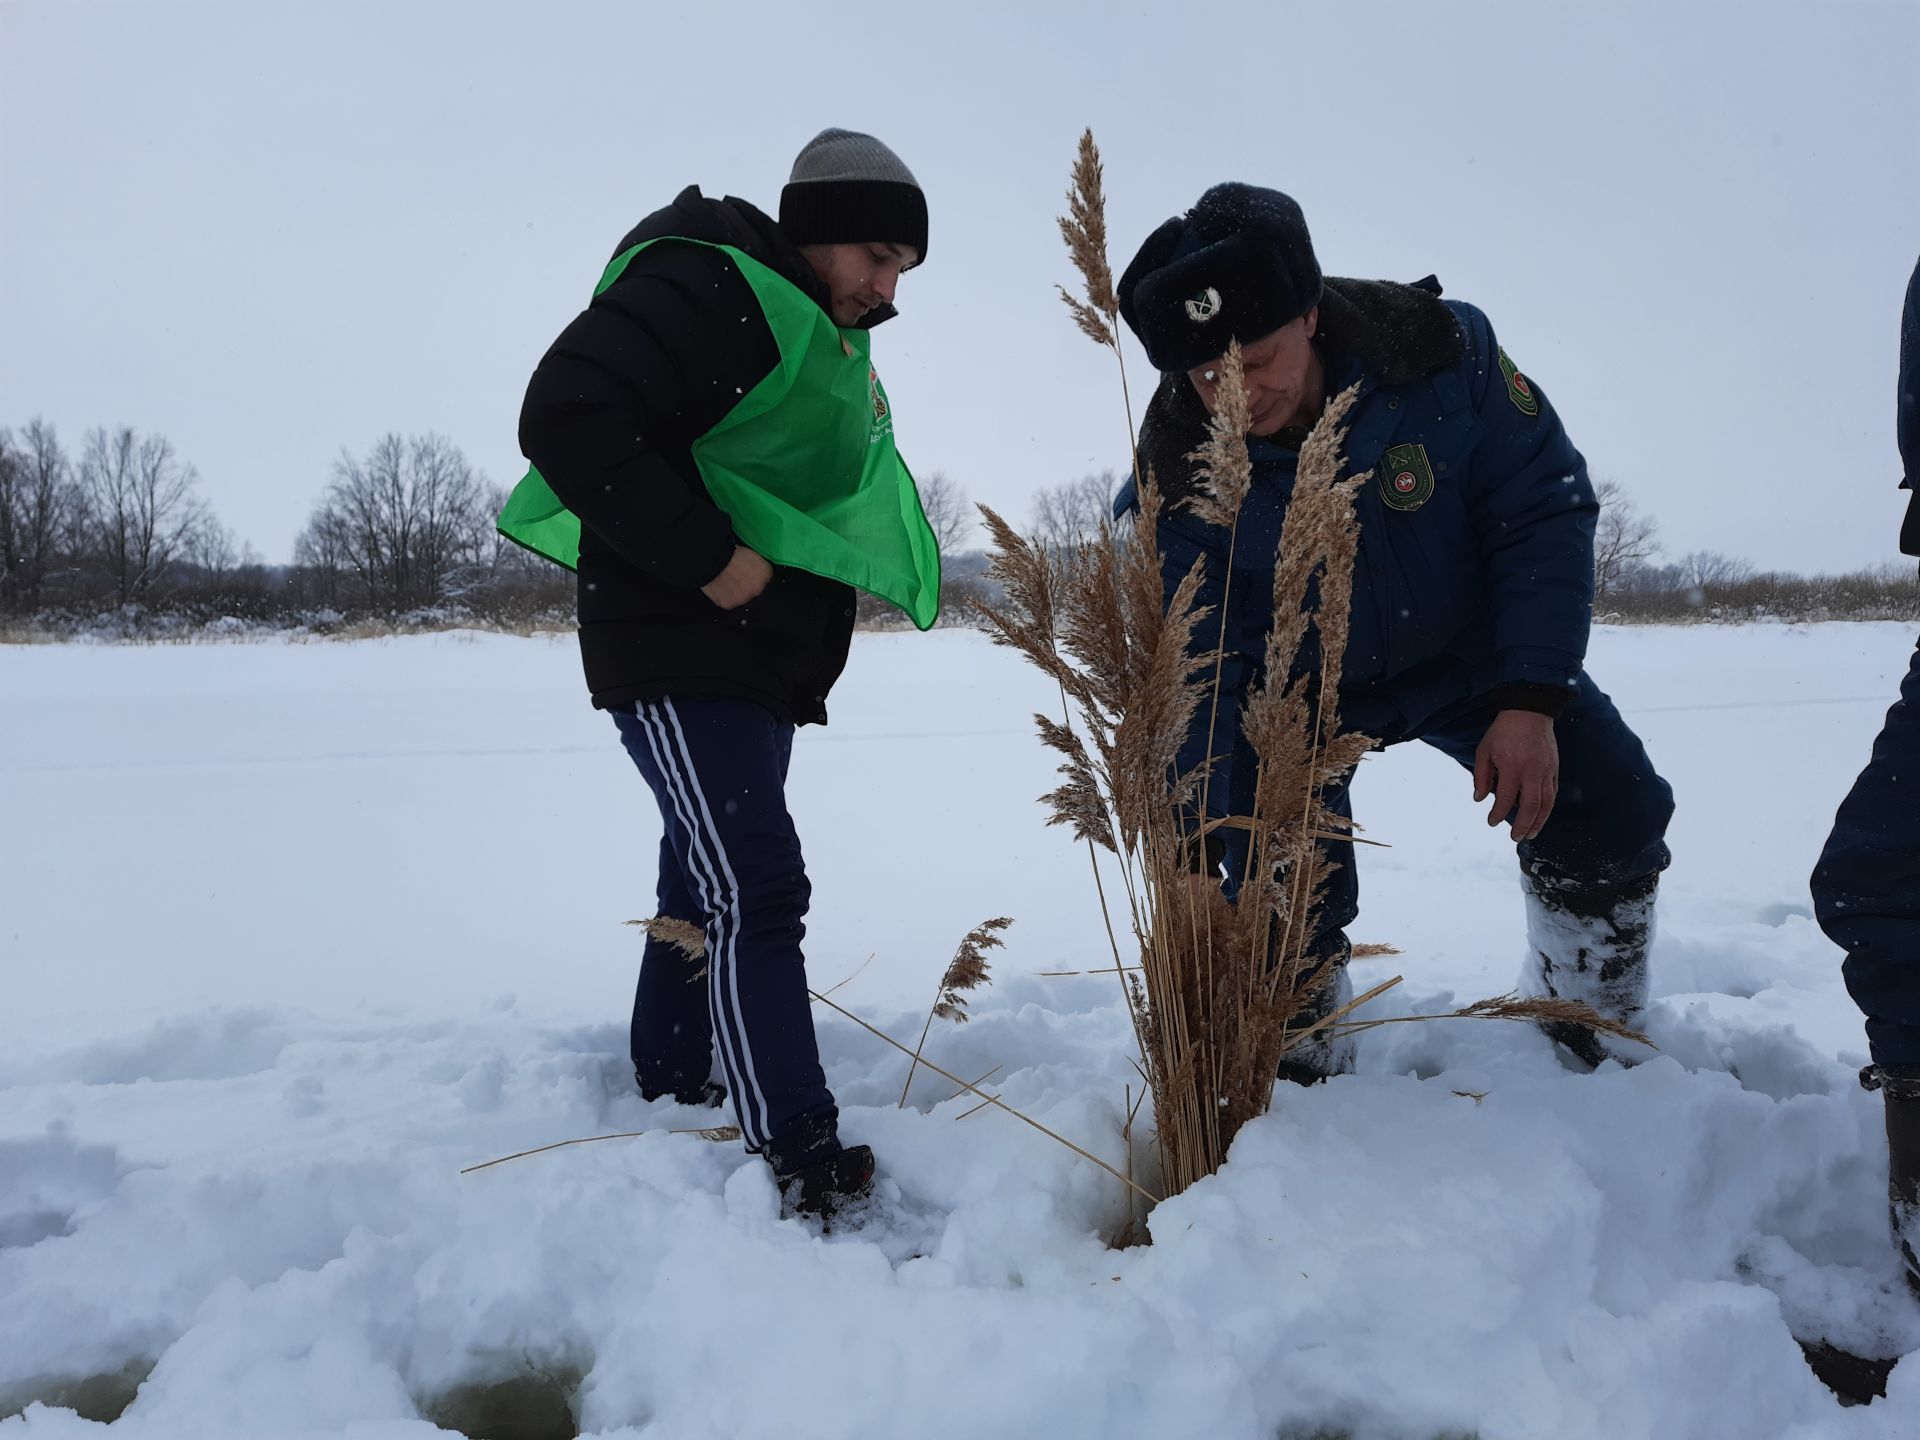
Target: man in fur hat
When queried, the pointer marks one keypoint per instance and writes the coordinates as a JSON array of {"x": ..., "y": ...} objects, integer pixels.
[{"x": 1473, "y": 587}]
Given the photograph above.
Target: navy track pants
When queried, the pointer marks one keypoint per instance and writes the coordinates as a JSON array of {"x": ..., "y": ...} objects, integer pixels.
[{"x": 730, "y": 864}]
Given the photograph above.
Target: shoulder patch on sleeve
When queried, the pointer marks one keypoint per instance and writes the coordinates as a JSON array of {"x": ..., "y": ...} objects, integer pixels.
[{"x": 1519, "y": 388}]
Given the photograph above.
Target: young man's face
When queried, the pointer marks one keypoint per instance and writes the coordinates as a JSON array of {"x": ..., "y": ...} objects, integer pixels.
[
  {"x": 1278, "y": 368},
  {"x": 859, "y": 277}
]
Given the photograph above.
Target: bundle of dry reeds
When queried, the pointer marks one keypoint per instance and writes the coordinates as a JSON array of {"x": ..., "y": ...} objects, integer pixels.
[
  {"x": 1218, "y": 984},
  {"x": 1219, "y": 988}
]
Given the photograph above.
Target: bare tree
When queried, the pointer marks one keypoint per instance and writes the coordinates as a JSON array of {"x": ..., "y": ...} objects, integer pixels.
[
  {"x": 1067, "y": 515},
  {"x": 404, "y": 526},
  {"x": 504, "y": 559},
  {"x": 1624, "y": 540},
  {"x": 453, "y": 526},
  {"x": 211, "y": 551},
  {"x": 1064, "y": 515},
  {"x": 36, "y": 505},
  {"x": 13, "y": 472},
  {"x": 947, "y": 511},
  {"x": 1706, "y": 569},
  {"x": 140, "y": 510},
  {"x": 320, "y": 559}
]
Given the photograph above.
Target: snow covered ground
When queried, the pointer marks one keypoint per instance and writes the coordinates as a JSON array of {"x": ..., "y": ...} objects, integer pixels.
[{"x": 291, "y": 933}]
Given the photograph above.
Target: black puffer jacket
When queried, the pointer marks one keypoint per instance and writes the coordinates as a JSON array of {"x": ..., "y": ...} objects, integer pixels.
[{"x": 610, "y": 419}]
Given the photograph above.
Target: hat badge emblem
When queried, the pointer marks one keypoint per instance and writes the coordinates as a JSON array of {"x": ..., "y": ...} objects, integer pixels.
[{"x": 1204, "y": 306}]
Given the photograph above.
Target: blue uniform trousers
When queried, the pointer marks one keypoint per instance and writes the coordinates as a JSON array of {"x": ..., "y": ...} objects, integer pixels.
[{"x": 1608, "y": 827}]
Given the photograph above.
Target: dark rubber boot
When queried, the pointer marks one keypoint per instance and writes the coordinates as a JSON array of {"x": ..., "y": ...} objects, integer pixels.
[
  {"x": 1322, "y": 1054},
  {"x": 1900, "y": 1087},
  {"x": 1591, "y": 945}
]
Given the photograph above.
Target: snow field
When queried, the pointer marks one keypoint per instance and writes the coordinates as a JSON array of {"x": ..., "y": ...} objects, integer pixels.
[{"x": 291, "y": 934}]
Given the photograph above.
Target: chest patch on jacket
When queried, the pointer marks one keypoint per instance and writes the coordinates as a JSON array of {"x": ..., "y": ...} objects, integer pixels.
[
  {"x": 1405, "y": 477},
  {"x": 1519, "y": 388}
]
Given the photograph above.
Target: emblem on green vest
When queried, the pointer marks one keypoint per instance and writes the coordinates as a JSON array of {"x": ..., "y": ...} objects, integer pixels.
[
  {"x": 1519, "y": 388},
  {"x": 1406, "y": 479}
]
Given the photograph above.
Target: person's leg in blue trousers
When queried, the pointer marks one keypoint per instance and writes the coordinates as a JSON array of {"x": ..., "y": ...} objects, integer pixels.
[
  {"x": 1866, "y": 887},
  {"x": 1866, "y": 895},
  {"x": 671, "y": 1038},
  {"x": 1322, "y": 1054},
  {"x": 1591, "y": 873},
  {"x": 717, "y": 769}
]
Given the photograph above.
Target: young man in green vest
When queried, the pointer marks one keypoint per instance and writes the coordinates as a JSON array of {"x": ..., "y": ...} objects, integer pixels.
[{"x": 713, "y": 425}]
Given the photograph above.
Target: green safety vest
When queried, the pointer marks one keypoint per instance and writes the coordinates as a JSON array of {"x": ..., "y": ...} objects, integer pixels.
[{"x": 804, "y": 465}]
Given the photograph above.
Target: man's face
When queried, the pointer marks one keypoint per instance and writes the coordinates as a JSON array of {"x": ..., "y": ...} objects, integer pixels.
[
  {"x": 859, "y": 277},
  {"x": 1278, "y": 368}
]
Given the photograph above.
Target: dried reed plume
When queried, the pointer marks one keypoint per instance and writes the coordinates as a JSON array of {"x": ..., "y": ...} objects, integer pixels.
[
  {"x": 689, "y": 939},
  {"x": 1084, "y": 228},
  {"x": 1221, "y": 469},
  {"x": 682, "y": 935},
  {"x": 967, "y": 971},
  {"x": 1541, "y": 1010}
]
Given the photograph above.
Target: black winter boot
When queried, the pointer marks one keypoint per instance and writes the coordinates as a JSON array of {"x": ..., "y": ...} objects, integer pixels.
[
  {"x": 826, "y": 1189},
  {"x": 1900, "y": 1086},
  {"x": 1590, "y": 944}
]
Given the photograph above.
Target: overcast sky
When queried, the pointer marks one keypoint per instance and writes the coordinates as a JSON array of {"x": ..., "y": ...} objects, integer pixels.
[{"x": 274, "y": 230}]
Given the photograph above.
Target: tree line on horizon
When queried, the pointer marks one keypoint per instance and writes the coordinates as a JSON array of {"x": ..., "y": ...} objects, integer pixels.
[{"x": 118, "y": 536}]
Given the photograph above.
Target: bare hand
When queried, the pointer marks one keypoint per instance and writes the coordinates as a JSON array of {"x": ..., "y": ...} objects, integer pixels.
[
  {"x": 746, "y": 575},
  {"x": 1518, "y": 763}
]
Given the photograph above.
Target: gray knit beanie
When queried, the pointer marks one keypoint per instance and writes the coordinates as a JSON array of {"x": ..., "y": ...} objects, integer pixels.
[{"x": 847, "y": 187}]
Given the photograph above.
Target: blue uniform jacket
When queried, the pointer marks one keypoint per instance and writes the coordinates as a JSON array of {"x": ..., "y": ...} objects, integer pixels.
[{"x": 1486, "y": 582}]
